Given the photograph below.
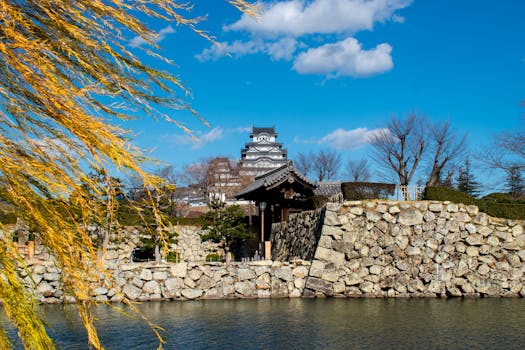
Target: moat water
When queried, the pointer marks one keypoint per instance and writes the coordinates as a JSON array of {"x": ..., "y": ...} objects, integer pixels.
[{"x": 301, "y": 324}]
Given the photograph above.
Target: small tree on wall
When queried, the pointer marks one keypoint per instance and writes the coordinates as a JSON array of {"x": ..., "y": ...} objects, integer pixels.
[
  {"x": 466, "y": 181},
  {"x": 515, "y": 184},
  {"x": 224, "y": 224}
]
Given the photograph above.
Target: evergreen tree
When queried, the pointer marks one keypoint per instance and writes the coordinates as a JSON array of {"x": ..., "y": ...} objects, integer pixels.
[
  {"x": 515, "y": 184},
  {"x": 465, "y": 180},
  {"x": 224, "y": 225}
]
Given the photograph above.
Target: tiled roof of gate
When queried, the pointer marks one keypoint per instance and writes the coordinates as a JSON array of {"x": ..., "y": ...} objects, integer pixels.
[{"x": 273, "y": 177}]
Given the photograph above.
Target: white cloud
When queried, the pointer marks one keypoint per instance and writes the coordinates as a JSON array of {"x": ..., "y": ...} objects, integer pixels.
[
  {"x": 282, "y": 49},
  {"x": 342, "y": 139},
  {"x": 236, "y": 48},
  {"x": 345, "y": 58},
  {"x": 398, "y": 19},
  {"x": 300, "y": 17},
  {"x": 243, "y": 129},
  {"x": 200, "y": 139},
  {"x": 287, "y": 30},
  {"x": 161, "y": 35}
]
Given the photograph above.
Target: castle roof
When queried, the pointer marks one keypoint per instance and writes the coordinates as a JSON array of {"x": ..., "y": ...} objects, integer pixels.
[{"x": 263, "y": 130}]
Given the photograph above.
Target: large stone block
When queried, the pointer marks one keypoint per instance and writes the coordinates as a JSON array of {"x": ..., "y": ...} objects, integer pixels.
[
  {"x": 331, "y": 231},
  {"x": 435, "y": 207},
  {"x": 195, "y": 274},
  {"x": 337, "y": 258},
  {"x": 410, "y": 217},
  {"x": 50, "y": 277},
  {"x": 160, "y": 275},
  {"x": 151, "y": 287},
  {"x": 331, "y": 276},
  {"x": 179, "y": 270},
  {"x": 332, "y": 219},
  {"x": 131, "y": 291},
  {"x": 356, "y": 210},
  {"x": 279, "y": 289},
  {"x": 173, "y": 284},
  {"x": 205, "y": 282},
  {"x": 245, "y": 274},
  {"x": 245, "y": 288},
  {"x": 319, "y": 285},
  {"x": 411, "y": 251},
  {"x": 213, "y": 293},
  {"x": 191, "y": 293},
  {"x": 517, "y": 230},
  {"x": 474, "y": 239},
  {"x": 284, "y": 273},
  {"x": 146, "y": 275},
  {"x": 300, "y": 272},
  {"x": 45, "y": 289},
  {"x": 373, "y": 216}
]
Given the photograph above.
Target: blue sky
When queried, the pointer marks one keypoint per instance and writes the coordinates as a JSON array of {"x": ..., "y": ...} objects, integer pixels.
[{"x": 326, "y": 73}]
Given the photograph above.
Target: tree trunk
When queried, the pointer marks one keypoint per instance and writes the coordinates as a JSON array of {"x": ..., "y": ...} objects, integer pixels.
[
  {"x": 227, "y": 256},
  {"x": 157, "y": 253}
]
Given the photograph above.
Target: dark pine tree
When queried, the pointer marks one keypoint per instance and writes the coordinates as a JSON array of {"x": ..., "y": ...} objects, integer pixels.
[
  {"x": 466, "y": 182},
  {"x": 515, "y": 185}
]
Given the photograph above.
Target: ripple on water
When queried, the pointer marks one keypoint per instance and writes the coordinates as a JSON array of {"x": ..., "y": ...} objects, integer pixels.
[{"x": 303, "y": 324}]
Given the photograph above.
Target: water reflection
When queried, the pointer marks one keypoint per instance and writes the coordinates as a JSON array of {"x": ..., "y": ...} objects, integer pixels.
[{"x": 304, "y": 324}]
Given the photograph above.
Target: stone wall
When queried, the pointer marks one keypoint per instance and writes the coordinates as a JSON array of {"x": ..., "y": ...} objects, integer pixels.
[
  {"x": 364, "y": 249},
  {"x": 188, "y": 243},
  {"x": 416, "y": 249},
  {"x": 297, "y": 237},
  {"x": 182, "y": 281}
]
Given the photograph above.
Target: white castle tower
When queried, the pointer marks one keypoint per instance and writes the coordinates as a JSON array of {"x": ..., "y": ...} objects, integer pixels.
[{"x": 263, "y": 153}]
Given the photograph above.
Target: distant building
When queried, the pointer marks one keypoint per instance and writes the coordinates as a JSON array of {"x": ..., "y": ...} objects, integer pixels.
[
  {"x": 223, "y": 178},
  {"x": 263, "y": 153}
]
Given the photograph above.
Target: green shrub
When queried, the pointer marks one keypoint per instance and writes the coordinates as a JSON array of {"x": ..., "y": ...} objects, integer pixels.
[
  {"x": 187, "y": 221},
  {"x": 213, "y": 257},
  {"x": 367, "y": 190},
  {"x": 173, "y": 257},
  {"x": 8, "y": 218},
  {"x": 438, "y": 193},
  {"x": 502, "y": 205},
  {"x": 499, "y": 205}
]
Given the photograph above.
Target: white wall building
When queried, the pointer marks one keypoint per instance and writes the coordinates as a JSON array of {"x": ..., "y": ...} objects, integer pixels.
[{"x": 263, "y": 153}]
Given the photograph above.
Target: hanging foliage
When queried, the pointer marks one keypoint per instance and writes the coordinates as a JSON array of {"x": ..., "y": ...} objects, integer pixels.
[{"x": 67, "y": 75}]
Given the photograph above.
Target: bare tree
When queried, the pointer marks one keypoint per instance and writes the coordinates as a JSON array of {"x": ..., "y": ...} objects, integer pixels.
[
  {"x": 218, "y": 175},
  {"x": 197, "y": 175},
  {"x": 400, "y": 147},
  {"x": 446, "y": 146},
  {"x": 515, "y": 185},
  {"x": 167, "y": 196},
  {"x": 168, "y": 174},
  {"x": 358, "y": 171},
  {"x": 304, "y": 162},
  {"x": 509, "y": 145},
  {"x": 326, "y": 165},
  {"x": 507, "y": 152}
]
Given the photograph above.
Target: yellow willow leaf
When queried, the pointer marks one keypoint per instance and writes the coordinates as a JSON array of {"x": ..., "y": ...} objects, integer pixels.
[{"x": 60, "y": 60}]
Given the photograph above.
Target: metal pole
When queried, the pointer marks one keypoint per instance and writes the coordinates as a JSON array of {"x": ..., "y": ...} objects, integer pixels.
[{"x": 262, "y": 226}]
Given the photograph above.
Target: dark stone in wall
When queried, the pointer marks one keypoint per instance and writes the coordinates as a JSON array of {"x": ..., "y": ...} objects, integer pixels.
[{"x": 297, "y": 237}]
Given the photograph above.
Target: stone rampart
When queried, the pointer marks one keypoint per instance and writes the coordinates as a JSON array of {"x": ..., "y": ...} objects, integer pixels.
[
  {"x": 416, "y": 249},
  {"x": 297, "y": 237},
  {"x": 182, "y": 281},
  {"x": 364, "y": 249}
]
